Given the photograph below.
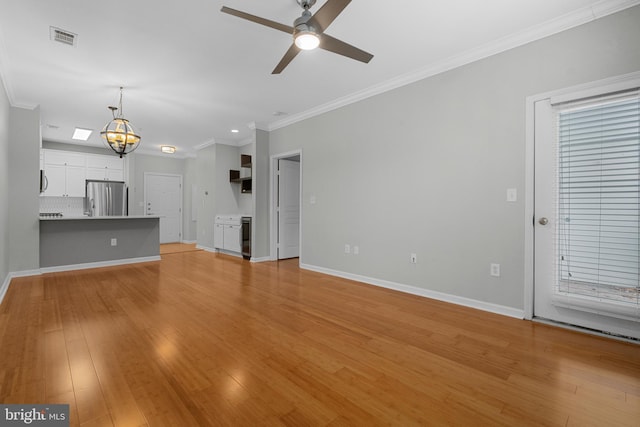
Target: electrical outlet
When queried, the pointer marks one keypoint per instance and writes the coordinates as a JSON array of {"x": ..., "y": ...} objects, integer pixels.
[
  {"x": 114, "y": 242},
  {"x": 356, "y": 250},
  {"x": 347, "y": 249},
  {"x": 414, "y": 258},
  {"x": 495, "y": 270}
]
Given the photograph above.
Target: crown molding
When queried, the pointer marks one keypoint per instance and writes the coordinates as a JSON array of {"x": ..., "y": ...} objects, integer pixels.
[
  {"x": 204, "y": 145},
  {"x": 565, "y": 22}
]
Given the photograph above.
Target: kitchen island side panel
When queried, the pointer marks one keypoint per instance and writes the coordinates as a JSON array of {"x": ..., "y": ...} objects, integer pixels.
[{"x": 81, "y": 241}]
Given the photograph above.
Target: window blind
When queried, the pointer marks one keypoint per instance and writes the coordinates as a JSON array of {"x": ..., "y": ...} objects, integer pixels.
[{"x": 598, "y": 206}]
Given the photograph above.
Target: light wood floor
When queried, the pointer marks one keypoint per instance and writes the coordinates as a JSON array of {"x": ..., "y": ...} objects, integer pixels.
[
  {"x": 201, "y": 339},
  {"x": 172, "y": 248}
]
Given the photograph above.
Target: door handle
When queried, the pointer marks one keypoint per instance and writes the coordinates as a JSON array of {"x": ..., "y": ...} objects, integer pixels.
[{"x": 543, "y": 221}]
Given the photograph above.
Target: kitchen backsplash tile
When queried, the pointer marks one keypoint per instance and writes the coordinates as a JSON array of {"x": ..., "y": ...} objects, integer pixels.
[{"x": 67, "y": 206}]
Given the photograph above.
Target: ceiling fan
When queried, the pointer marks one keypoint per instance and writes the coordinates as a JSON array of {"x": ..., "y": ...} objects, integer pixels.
[{"x": 309, "y": 31}]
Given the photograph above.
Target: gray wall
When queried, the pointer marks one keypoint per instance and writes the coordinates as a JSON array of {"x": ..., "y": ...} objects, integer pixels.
[
  {"x": 227, "y": 193},
  {"x": 205, "y": 177},
  {"x": 260, "y": 237},
  {"x": 190, "y": 232},
  {"x": 424, "y": 168},
  {"x": 24, "y": 189},
  {"x": 4, "y": 185}
]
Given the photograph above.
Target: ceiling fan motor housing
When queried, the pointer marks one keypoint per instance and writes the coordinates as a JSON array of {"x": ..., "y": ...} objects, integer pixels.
[
  {"x": 306, "y": 4},
  {"x": 303, "y": 24}
]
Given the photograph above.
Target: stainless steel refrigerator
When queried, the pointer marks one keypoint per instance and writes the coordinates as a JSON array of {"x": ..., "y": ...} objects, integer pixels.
[{"x": 105, "y": 198}]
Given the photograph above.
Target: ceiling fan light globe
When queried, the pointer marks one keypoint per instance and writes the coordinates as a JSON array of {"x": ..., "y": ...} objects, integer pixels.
[{"x": 307, "y": 40}]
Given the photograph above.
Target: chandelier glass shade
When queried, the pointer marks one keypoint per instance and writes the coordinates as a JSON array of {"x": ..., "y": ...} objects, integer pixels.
[{"x": 119, "y": 134}]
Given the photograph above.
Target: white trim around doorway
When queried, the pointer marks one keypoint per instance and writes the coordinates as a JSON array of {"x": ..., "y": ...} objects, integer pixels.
[
  {"x": 586, "y": 90},
  {"x": 273, "y": 202}
]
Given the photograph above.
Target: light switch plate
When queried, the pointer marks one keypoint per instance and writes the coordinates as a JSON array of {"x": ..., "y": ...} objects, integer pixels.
[{"x": 512, "y": 195}]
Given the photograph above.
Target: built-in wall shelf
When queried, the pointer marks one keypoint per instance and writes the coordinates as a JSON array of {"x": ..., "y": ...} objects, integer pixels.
[
  {"x": 245, "y": 161},
  {"x": 244, "y": 181}
]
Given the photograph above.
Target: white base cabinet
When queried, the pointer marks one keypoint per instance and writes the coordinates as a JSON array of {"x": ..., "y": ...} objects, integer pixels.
[{"x": 227, "y": 233}]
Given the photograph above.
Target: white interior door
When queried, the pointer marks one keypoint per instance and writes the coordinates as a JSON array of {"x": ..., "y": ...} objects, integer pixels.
[
  {"x": 586, "y": 219},
  {"x": 163, "y": 197},
  {"x": 288, "y": 209}
]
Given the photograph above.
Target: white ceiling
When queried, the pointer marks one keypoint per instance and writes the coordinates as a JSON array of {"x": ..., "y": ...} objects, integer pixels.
[{"x": 192, "y": 73}]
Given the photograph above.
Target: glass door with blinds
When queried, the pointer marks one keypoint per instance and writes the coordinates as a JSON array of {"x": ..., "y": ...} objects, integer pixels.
[{"x": 587, "y": 212}]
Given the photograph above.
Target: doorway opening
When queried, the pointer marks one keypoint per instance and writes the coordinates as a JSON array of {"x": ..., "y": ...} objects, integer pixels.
[{"x": 286, "y": 205}]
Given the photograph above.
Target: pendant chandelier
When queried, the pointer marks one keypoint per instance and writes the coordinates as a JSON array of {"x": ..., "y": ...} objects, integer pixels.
[{"x": 119, "y": 133}]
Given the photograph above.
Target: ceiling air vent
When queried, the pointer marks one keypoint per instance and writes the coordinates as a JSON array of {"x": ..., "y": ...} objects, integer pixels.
[{"x": 62, "y": 36}]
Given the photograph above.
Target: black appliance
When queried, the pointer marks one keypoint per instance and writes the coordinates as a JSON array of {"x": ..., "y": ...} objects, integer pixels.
[{"x": 246, "y": 237}]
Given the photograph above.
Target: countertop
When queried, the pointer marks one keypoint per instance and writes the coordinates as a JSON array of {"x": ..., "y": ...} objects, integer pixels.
[{"x": 76, "y": 218}]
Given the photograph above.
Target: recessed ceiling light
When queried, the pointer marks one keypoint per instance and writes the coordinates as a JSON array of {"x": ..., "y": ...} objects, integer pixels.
[
  {"x": 81, "y": 134},
  {"x": 168, "y": 149},
  {"x": 234, "y": 131}
]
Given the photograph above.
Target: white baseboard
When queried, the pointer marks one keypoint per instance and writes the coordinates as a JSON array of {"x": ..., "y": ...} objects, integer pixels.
[
  {"x": 261, "y": 259},
  {"x": 87, "y": 265},
  {"x": 25, "y": 273},
  {"x": 440, "y": 296},
  {"x": 12, "y": 274},
  {"x": 222, "y": 251},
  {"x": 189, "y": 242},
  {"x": 5, "y": 287}
]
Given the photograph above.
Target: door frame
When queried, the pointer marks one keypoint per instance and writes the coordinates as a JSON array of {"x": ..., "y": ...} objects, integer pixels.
[
  {"x": 144, "y": 197},
  {"x": 273, "y": 203},
  {"x": 586, "y": 90}
]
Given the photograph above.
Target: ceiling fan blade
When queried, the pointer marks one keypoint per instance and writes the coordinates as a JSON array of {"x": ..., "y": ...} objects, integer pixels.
[
  {"x": 329, "y": 12},
  {"x": 258, "y": 20},
  {"x": 341, "y": 48},
  {"x": 286, "y": 59}
]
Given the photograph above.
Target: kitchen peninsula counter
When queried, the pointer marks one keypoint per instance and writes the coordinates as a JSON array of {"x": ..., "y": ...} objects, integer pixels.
[
  {"x": 68, "y": 243},
  {"x": 75, "y": 218}
]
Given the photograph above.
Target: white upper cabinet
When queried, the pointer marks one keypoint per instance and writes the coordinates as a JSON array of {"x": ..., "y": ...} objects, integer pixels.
[
  {"x": 66, "y": 171},
  {"x": 66, "y": 158},
  {"x": 109, "y": 168},
  {"x": 64, "y": 174}
]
